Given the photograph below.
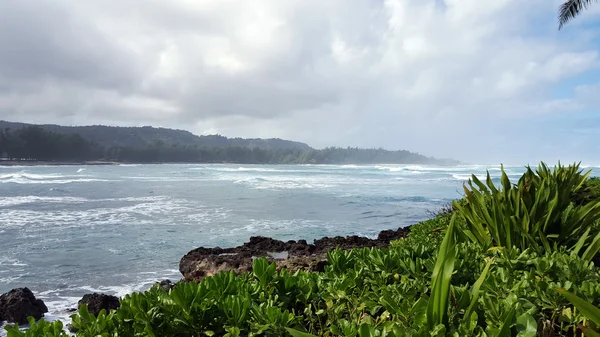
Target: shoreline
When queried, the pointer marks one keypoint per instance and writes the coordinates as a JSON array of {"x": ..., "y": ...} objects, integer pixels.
[
  {"x": 114, "y": 163},
  {"x": 292, "y": 255},
  {"x": 202, "y": 262}
]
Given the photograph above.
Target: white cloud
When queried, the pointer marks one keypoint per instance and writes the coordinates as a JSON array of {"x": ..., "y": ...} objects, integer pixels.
[{"x": 446, "y": 78}]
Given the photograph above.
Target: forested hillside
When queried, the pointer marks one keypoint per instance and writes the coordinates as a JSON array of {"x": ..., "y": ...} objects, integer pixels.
[
  {"x": 137, "y": 137},
  {"x": 170, "y": 146}
]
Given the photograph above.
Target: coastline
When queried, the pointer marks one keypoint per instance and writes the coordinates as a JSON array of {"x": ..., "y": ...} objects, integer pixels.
[{"x": 114, "y": 163}]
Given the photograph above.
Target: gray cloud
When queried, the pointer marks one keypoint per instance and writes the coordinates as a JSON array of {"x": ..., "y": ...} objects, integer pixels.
[
  {"x": 42, "y": 41},
  {"x": 455, "y": 78}
]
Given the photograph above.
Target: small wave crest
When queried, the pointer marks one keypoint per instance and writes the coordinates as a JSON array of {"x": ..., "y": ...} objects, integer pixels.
[
  {"x": 31, "y": 178},
  {"x": 279, "y": 183},
  {"x": 15, "y": 201},
  {"x": 5, "y": 261},
  {"x": 462, "y": 177}
]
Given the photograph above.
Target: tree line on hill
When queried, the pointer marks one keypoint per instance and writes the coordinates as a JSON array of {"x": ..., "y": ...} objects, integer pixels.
[
  {"x": 145, "y": 136},
  {"x": 35, "y": 143}
]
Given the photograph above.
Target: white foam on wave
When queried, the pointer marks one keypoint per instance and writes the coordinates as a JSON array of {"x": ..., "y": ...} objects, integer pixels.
[
  {"x": 31, "y": 178},
  {"x": 284, "y": 183},
  {"x": 258, "y": 169},
  {"x": 446, "y": 168},
  {"x": 60, "y": 306},
  {"x": 252, "y": 169},
  {"x": 9, "y": 279},
  {"x": 461, "y": 177},
  {"x": 22, "y": 200},
  {"x": 401, "y": 169},
  {"x": 11, "y": 270},
  {"x": 5, "y": 261},
  {"x": 262, "y": 225},
  {"x": 140, "y": 285},
  {"x": 142, "y": 211},
  {"x": 15, "y": 201},
  {"x": 465, "y": 177}
]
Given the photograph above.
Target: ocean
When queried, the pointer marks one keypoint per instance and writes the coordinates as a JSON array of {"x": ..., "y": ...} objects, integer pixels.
[{"x": 70, "y": 230}]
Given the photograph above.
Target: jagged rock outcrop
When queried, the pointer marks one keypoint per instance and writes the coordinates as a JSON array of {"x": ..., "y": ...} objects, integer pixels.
[
  {"x": 96, "y": 302},
  {"x": 20, "y": 303},
  {"x": 292, "y": 255}
]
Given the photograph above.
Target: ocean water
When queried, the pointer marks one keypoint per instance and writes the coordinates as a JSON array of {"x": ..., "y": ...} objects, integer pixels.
[{"x": 70, "y": 230}]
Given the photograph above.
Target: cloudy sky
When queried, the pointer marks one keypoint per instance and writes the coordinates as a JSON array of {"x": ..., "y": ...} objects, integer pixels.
[{"x": 477, "y": 80}]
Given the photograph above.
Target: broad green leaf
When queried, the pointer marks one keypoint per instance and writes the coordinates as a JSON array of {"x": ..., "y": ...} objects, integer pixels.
[
  {"x": 296, "y": 333},
  {"x": 365, "y": 330},
  {"x": 526, "y": 325}
]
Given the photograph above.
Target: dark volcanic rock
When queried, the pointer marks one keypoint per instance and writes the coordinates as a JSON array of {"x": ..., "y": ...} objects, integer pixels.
[
  {"x": 71, "y": 328},
  {"x": 388, "y": 235},
  {"x": 96, "y": 302},
  {"x": 202, "y": 262},
  {"x": 166, "y": 284},
  {"x": 18, "y": 304}
]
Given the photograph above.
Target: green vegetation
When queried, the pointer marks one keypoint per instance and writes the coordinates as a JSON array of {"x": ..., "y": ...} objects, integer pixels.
[
  {"x": 36, "y": 143},
  {"x": 499, "y": 263},
  {"x": 146, "y": 136},
  {"x": 570, "y": 9},
  {"x": 587, "y": 309},
  {"x": 536, "y": 212}
]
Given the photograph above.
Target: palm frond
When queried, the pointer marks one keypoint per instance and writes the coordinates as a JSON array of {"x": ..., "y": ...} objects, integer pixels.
[{"x": 570, "y": 9}]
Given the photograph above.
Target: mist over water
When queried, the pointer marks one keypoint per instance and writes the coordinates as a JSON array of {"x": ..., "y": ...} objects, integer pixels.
[{"x": 66, "y": 231}]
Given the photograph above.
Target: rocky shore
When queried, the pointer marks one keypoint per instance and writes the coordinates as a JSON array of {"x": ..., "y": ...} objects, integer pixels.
[
  {"x": 292, "y": 255},
  {"x": 18, "y": 304}
]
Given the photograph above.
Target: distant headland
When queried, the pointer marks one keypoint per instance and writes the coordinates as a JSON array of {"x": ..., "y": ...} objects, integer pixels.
[{"x": 31, "y": 144}]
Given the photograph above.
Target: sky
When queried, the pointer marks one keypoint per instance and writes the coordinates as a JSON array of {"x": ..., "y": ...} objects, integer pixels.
[{"x": 484, "y": 82}]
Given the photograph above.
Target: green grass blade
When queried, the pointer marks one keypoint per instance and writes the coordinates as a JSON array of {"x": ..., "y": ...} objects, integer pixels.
[
  {"x": 437, "y": 308},
  {"x": 475, "y": 292},
  {"x": 581, "y": 242},
  {"x": 589, "y": 332},
  {"x": 586, "y": 308},
  {"x": 593, "y": 249}
]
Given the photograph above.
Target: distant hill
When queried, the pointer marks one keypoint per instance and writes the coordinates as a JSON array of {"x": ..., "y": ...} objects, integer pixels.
[
  {"x": 138, "y": 137},
  {"x": 20, "y": 141}
]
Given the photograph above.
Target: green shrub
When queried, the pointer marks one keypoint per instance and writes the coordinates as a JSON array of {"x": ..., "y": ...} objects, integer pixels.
[
  {"x": 536, "y": 212},
  {"x": 590, "y": 191},
  {"x": 37, "y": 329},
  {"x": 386, "y": 292}
]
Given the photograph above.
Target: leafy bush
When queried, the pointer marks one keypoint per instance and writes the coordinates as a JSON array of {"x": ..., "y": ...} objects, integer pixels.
[
  {"x": 538, "y": 211},
  {"x": 429, "y": 233},
  {"x": 39, "y": 329},
  {"x": 589, "y": 191},
  {"x": 364, "y": 292}
]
